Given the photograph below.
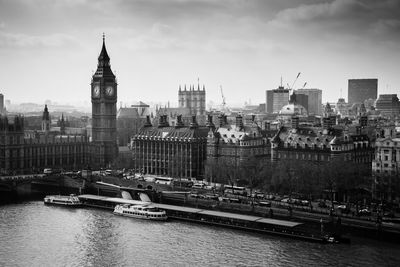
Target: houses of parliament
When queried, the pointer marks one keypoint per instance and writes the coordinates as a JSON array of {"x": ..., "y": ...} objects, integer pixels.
[{"x": 25, "y": 151}]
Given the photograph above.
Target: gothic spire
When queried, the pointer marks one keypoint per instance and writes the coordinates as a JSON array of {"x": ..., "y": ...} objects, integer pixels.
[
  {"x": 103, "y": 66},
  {"x": 46, "y": 115},
  {"x": 103, "y": 57}
]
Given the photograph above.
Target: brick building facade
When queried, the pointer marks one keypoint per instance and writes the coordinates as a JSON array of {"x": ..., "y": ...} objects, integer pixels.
[
  {"x": 236, "y": 144},
  {"x": 321, "y": 144}
]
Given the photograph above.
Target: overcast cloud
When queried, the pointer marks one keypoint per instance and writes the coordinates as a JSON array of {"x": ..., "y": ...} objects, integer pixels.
[{"x": 49, "y": 49}]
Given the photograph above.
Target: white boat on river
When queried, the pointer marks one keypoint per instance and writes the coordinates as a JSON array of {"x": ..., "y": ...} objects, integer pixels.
[
  {"x": 140, "y": 212},
  {"x": 70, "y": 201}
]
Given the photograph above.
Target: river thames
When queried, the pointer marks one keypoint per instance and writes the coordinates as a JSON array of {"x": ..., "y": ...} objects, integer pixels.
[{"x": 32, "y": 234}]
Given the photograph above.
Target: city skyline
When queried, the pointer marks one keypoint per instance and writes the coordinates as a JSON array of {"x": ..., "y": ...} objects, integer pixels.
[{"x": 155, "y": 46}]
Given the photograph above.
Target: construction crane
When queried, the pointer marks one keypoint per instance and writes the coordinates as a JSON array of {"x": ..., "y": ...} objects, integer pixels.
[{"x": 298, "y": 75}]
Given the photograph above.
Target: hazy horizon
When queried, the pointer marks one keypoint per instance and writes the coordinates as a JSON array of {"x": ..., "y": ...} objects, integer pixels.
[{"x": 50, "y": 48}]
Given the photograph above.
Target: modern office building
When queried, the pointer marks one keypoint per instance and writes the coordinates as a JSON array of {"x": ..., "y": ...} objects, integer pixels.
[
  {"x": 388, "y": 105},
  {"x": 360, "y": 90},
  {"x": 301, "y": 99},
  {"x": 276, "y": 99},
  {"x": 314, "y": 106},
  {"x": 1, "y": 103}
]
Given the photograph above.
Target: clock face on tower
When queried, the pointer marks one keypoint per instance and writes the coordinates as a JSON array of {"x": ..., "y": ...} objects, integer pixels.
[
  {"x": 109, "y": 90},
  {"x": 96, "y": 91}
]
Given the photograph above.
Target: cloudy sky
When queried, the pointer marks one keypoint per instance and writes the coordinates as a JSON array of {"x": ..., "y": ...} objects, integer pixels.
[{"x": 49, "y": 48}]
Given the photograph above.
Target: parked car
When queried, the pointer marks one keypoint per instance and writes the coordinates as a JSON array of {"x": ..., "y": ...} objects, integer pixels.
[
  {"x": 269, "y": 197},
  {"x": 48, "y": 171},
  {"x": 322, "y": 204},
  {"x": 305, "y": 202},
  {"x": 364, "y": 212},
  {"x": 211, "y": 196},
  {"x": 285, "y": 200},
  {"x": 198, "y": 186},
  {"x": 264, "y": 204}
]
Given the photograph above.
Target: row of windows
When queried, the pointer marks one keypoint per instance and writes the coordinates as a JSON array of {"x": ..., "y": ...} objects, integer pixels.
[
  {"x": 385, "y": 165},
  {"x": 303, "y": 156},
  {"x": 141, "y": 214},
  {"x": 12, "y": 140}
]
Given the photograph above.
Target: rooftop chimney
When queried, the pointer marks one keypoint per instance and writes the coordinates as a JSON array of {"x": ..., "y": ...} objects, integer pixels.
[
  {"x": 166, "y": 120},
  {"x": 179, "y": 122},
  {"x": 148, "y": 122},
  {"x": 239, "y": 121},
  {"x": 193, "y": 124},
  {"x": 210, "y": 123},
  {"x": 163, "y": 122},
  {"x": 221, "y": 120}
]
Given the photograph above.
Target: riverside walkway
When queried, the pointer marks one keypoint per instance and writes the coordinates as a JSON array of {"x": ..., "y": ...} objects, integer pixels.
[{"x": 279, "y": 227}]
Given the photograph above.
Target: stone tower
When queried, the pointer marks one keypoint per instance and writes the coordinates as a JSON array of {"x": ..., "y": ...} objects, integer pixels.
[
  {"x": 104, "y": 112},
  {"x": 194, "y": 99},
  {"x": 62, "y": 124},
  {"x": 46, "y": 120}
]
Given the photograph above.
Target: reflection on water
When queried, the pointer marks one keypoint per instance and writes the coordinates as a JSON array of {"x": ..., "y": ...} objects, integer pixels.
[{"x": 32, "y": 234}]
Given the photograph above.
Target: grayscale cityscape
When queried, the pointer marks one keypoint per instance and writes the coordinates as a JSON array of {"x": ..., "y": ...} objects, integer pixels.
[{"x": 223, "y": 133}]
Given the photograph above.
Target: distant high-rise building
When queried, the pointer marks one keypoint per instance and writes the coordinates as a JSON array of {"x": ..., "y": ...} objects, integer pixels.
[
  {"x": 193, "y": 99},
  {"x": 388, "y": 105},
  {"x": 360, "y": 90},
  {"x": 1, "y": 103},
  {"x": 342, "y": 108},
  {"x": 276, "y": 99},
  {"x": 314, "y": 106},
  {"x": 300, "y": 99}
]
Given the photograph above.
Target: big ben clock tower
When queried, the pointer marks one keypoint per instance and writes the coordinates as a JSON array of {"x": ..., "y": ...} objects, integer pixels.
[{"x": 104, "y": 112}]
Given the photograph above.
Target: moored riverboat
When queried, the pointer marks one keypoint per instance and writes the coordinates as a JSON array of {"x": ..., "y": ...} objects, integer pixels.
[
  {"x": 70, "y": 201},
  {"x": 140, "y": 212},
  {"x": 334, "y": 238}
]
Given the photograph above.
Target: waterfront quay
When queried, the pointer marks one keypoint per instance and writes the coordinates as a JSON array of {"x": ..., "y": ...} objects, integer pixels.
[
  {"x": 285, "y": 228},
  {"x": 112, "y": 187}
]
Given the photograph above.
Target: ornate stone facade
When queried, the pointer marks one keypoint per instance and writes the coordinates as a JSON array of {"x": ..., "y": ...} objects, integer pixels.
[
  {"x": 386, "y": 165},
  {"x": 235, "y": 144},
  {"x": 321, "y": 144},
  {"x": 177, "y": 151},
  {"x": 193, "y": 99},
  {"x": 21, "y": 152},
  {"x": 104, "y": 112}
]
